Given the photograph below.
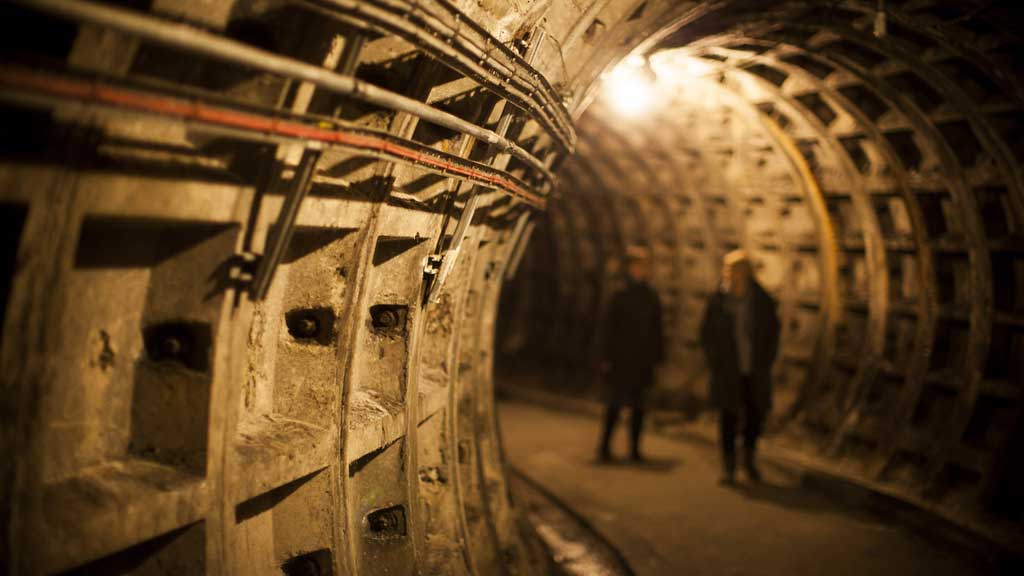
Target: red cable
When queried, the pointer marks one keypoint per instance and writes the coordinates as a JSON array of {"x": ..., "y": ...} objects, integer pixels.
[{"x": 194, "y": 110}]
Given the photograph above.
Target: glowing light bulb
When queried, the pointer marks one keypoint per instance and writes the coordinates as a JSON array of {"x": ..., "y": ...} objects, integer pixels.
[
  {"x": 629, "y": 87},
  {"x": 630, "y": 96}
]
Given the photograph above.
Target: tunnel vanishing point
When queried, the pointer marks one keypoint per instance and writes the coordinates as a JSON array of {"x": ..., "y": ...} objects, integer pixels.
[{"x": 255, "y": 251}]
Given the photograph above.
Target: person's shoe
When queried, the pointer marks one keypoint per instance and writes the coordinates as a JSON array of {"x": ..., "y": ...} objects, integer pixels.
[
  {"x": 753, "y": 473},
  {"x": 604, "y": 456},
  {"x": 728, "y": 470},
  {"x": 637, "y": 457}
]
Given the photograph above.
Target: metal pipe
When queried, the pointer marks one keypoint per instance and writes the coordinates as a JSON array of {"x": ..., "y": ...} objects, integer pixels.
[
  {"x": 253, "y": 126},
  {"x": 530, "y": 91},
  {"x": 452, "y": 254},
  {"x": 281, "y": 235},
  {"x": 518, "y": 66},
  {"x": 192, "y": 39}
]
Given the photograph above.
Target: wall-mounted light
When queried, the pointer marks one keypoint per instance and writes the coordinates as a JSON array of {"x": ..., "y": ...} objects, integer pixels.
[{"x": 630, "y": 87}]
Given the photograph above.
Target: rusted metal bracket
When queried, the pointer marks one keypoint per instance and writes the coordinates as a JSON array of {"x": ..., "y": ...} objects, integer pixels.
[{"x": 441, "y": 265}]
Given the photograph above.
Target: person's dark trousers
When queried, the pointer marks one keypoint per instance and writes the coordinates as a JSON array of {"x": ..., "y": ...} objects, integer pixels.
[
  {"x": 753, "y": 419},
  {"x": 634, "y": 399}
]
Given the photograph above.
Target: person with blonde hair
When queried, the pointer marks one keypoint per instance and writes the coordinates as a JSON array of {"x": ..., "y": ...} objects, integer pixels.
[
  {"x": 634, "y": 345},
  {"x": 740, "y": 335}
]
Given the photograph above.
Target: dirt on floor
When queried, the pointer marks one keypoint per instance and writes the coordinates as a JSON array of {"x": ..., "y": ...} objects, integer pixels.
[{"x": 670, "y": 515}]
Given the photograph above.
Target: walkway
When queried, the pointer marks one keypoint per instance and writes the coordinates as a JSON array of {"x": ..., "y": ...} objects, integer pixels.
[{"x": 671, "y": 517}]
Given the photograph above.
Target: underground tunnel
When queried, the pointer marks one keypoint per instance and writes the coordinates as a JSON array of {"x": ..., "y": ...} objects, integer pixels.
[{"x": 320, "y": 286}]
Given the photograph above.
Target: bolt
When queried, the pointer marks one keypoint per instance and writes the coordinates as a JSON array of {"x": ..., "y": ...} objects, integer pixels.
[
  {"x": 305, "y": 327},
  {"x": 387, "y": 522},
  {"x": 383, "y": 522},
  {"x": 170, "y": 347},
  {"x": 388, "y": 319}
]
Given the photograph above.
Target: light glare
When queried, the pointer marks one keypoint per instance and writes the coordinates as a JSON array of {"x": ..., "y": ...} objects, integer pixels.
[
  {"x": 633, "y": 87},
  {"x": 630, "y": 95},
  {"x": 673, "y": 68},
  {"x": 628, "y": 87}
]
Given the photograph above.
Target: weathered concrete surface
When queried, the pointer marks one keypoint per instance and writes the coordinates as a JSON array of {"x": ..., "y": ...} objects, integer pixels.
[
  {"x": 686, "y": 523},
  {"x": 167, "y": 410}
]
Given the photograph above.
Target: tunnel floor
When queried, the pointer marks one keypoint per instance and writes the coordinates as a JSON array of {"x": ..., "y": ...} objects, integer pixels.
[{"x": 670, "y": 515}]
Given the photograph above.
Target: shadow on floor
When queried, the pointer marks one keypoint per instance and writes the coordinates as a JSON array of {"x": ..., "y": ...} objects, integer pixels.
[
  {"x": 660, "y": 465},
  {"x": 793, "y": 497}
]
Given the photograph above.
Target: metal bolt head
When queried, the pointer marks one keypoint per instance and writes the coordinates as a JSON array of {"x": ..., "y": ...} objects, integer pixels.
[
  {"x": 308, "y": 326},
  {"x": 388, "y": 319},
  {"x": 305, "y": 327},
  {"x": 387, "y": 522},
  {"x": 171, "y": 347}
]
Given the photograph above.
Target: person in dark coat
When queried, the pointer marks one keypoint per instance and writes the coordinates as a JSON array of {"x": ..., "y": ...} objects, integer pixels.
[
  {"x": 740, "y": 337},
  {"x": 634, "y": 345}
]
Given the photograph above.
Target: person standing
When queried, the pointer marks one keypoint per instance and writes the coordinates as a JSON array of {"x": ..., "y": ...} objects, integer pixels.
[
  {"x": 740, "y": 335},
  {"x": 634, "y": 345}
]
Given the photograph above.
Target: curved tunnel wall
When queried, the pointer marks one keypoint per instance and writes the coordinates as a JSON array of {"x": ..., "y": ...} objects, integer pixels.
[
  {"x": 227, "y": 346},
  {"x": 253, "y": 256},
  {"x": 875, "y": 179}
]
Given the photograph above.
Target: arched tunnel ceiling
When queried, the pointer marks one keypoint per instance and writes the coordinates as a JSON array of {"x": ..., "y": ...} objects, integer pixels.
[
  {"x": 256, "y": 249},
  {"x": 871, "y": 164}
]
